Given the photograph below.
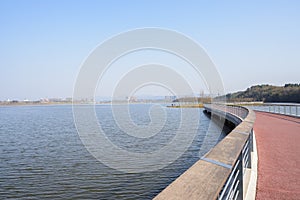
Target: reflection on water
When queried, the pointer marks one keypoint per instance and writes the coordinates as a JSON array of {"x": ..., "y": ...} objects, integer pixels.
[{"x": 42, "y": 156}]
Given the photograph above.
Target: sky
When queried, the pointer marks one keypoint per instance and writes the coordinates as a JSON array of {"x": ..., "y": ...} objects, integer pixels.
[{"x": 44, "y": 43}]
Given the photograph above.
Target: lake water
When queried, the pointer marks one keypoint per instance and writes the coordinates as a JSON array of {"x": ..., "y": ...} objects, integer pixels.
[{"x": 42, "y": 155}]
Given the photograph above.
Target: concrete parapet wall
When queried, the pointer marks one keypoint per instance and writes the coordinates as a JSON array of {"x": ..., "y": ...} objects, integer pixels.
[{"x": 208, "y": 176}]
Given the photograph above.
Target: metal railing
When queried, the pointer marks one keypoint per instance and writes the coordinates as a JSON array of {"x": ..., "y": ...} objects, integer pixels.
[
  {"x": 284, "y": 109},
  {"x": 238, "y": 111},
  {"x": 233, "y": 188}
]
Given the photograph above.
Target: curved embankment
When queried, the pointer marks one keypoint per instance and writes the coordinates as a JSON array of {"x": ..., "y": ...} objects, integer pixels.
[{"x": 220, "y": 174}]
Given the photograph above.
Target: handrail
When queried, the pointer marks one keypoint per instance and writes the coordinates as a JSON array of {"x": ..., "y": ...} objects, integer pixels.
[
  {"x": 279, "y": 108},
  {"x": 220, "y": 173}
]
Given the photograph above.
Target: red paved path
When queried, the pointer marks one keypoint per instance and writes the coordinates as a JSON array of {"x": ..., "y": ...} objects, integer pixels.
[{"x": 278, "y": 146}]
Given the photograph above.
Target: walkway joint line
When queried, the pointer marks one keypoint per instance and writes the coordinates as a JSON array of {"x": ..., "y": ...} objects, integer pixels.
[
  {"x": 216, "y": 163},
  {"x": 245, "y": 133}
]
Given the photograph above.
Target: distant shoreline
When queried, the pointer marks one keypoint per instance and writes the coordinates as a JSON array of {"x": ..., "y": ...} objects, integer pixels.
[
  {"x": 169, "y": 104},
  {"x": 34, "y": 104},
  {"x": 79, "y": 103}
]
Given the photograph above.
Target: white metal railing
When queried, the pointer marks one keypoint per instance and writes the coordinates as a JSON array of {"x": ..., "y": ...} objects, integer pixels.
[
  {"x": 285, "y": 109},
  {"x": 230, "y": 188},
  {"x": 233, "y": 188},
  {"x": 239, "y": 111}
]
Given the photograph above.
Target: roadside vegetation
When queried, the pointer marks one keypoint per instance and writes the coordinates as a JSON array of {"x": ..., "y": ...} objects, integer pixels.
[{"x": 289, "y": 93}]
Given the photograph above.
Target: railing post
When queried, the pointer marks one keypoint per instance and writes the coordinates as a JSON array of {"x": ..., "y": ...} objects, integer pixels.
[
  {"x": 250, "y": 148},
  {"x": 240, "y": 178},
  {"x": 279, "y": 108}
]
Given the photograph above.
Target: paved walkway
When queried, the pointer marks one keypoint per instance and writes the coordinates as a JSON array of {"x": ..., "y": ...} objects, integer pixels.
[{"x": 278, "y": 146}]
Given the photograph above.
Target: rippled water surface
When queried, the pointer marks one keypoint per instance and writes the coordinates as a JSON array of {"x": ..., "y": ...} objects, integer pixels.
[{"x": 42, "y": 155}]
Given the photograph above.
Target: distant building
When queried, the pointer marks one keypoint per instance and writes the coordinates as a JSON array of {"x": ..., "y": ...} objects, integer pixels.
[
  {"x": 55, "y": 100},
  {"x": 68, "y": 99},
  {"x": 44, "y": 100},
  {"x": 132, "y": 99},
  {"x": 170, "y": 98}
]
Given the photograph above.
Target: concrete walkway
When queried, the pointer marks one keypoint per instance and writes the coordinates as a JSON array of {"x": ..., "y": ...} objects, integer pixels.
[{"x": 278, "y": 146}]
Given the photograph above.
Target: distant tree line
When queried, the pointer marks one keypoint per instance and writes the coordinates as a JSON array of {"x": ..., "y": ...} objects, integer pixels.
[{"x": 268, "y": 93}]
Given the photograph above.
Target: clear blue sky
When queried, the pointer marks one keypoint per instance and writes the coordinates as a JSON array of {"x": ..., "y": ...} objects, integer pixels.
[{"x": 44, "y": 42}]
